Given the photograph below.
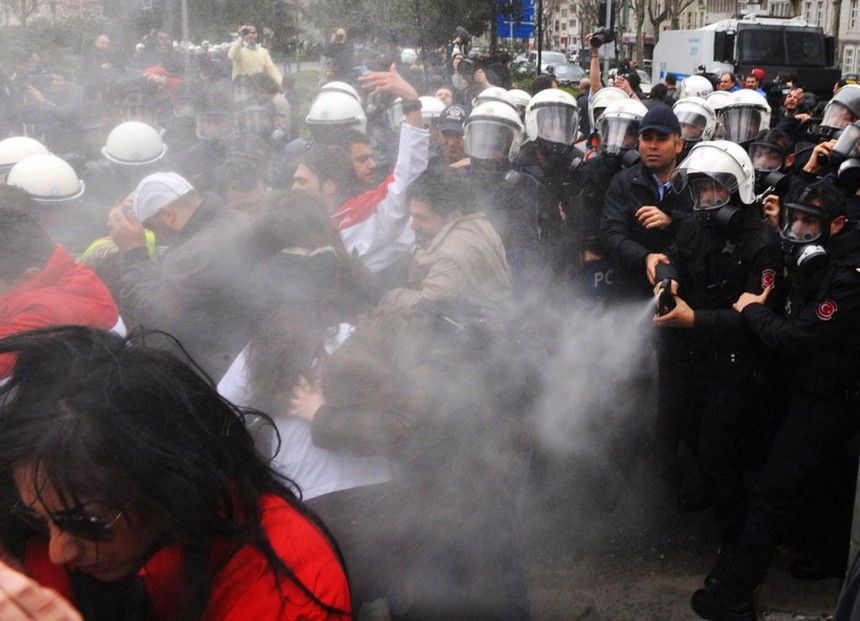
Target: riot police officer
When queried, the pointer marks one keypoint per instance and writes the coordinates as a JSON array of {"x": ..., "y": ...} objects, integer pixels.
[
  {"x": 818, "y": 335},
  {"x": 709, "y": 363}
]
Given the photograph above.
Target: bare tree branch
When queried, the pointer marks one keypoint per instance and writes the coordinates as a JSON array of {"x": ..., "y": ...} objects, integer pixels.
[{"x": 22, "y": 10}]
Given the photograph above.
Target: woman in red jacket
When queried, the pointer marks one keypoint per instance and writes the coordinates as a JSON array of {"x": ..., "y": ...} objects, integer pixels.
[{"x": 139, "y": 494}]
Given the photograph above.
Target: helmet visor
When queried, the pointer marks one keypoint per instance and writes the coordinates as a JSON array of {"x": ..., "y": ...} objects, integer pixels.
[
  {"x": 837, "y": 116},
  {"x": 183, "y": 107},
  {"x": 556, "y": 123},
  {"x": 741, "y": 123},
  {"x": 848, "y": 143},
  {"x": 692, "y": 124},
  {"x": 256, "y": 122},
  {"x": 488, "y": 140},
  {"x": 215, "y": 125},
  {"x": 765, "y": 157},
  {"x": 619, "y": 135},
  {"x": 709, "y": 191}
]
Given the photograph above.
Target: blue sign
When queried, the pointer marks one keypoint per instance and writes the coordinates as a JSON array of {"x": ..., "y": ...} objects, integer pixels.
[{"x": 520, "y": 25}]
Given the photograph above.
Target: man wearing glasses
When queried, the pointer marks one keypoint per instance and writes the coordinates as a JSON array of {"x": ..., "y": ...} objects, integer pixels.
[{"x": 249, "y": 57}]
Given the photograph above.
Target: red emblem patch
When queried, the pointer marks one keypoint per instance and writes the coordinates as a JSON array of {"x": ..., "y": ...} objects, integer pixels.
[
  {"x": 768, "y": 278},
  {"x": 826, "y": 310}
]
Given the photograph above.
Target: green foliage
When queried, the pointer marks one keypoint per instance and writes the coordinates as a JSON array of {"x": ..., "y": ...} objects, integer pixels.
[
  {"x": 58, "y": 43},
  {"x": 397, "y": 21}
]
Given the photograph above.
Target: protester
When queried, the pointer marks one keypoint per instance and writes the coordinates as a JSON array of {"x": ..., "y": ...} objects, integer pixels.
[{"x": 217, "y": 535}]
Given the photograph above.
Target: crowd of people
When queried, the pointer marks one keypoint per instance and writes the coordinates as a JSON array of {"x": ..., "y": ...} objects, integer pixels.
[{"x": 257, "y": 365}]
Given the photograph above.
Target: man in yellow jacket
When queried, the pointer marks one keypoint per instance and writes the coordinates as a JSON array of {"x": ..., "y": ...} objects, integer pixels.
[{"x": 249, "y": 57}]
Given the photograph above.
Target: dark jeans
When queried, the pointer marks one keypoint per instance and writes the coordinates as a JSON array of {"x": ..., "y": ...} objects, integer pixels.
[
  {"x": 814, "y": 431},
  {"x": 710, "y": 405}
]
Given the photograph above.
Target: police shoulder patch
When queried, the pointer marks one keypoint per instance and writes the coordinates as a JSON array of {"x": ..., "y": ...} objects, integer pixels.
[
  {"x": 826, "y": 309},
  {"x": 768, "y": 278}
]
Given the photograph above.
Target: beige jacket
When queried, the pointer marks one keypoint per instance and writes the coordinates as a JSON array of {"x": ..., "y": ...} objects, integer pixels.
[{"x": 466, "y": 259}]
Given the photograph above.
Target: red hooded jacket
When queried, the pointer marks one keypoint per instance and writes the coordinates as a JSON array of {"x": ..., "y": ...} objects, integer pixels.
[
  {"x": 62, "y": 293},
  {"x": 245, "y": 587}
]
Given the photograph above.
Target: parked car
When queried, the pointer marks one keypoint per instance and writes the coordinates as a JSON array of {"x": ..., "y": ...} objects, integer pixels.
[
  {"x": 547, "y": 59},
  {"x": 567, "y": 74}
]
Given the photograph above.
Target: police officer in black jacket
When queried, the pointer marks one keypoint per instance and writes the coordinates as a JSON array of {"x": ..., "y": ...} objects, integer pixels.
[
  {"x": 819, "y": 338},
  {"x": 709, "y": 362},
  {"x": 641, "y": 214},
  {"x": 618, "y": 129}
]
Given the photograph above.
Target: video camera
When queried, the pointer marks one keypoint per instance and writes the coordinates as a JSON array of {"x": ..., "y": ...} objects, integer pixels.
[
  {"x": 468, "y": 65},
  {"x": 601, "y": 36}
]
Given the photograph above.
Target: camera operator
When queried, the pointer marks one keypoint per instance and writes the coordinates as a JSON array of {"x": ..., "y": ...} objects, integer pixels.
[
  {"x": 472, "y": 71},
  {"x": 249, "y": 57},
  {"x": 460, "y": 44},
  {"x": 595, "y": 41},
  {"x": 340, "y": 52}
]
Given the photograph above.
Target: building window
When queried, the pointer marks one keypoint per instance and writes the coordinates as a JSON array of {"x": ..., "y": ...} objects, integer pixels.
[
  {"x": 819, "y": 13},
  {"x": 848, "y": 60},
  {"x": 852, "y": 15},
  {"x": 564, "y": 25},
  {"x": 556, "y": 26},
  {"x": 564, "y": 12}
]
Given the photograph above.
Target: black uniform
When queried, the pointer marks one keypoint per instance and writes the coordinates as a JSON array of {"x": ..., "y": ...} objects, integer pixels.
[
  {"x": 535, "y": 195},
  {"x": 625, "y": 241},
  {"x": 820, "y": 340},
  {"x": 709, "y": 373},
  {"x": 584, "y": 208}
]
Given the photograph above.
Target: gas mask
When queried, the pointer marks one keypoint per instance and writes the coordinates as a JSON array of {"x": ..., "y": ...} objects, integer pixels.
[
  {"x": 557, "y": 155},
  {"x": 768, "y": 161},
  {"x": 804, "y": 232},
  {"x": 844, "y": 158},
  {"x": 712, "y": 202}
]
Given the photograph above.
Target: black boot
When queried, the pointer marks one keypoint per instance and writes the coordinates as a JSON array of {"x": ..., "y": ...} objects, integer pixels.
[
  {"x": 724, "y": 603},
  {"x": 817, "y": 567},
  {"x": 718, "y": 575}
]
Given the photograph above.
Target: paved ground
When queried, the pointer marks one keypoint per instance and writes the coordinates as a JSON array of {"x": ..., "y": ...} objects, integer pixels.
[{"x": 642, "y": 561}]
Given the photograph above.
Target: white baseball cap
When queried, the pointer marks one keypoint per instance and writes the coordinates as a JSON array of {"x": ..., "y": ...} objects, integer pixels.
[{"x": 157, "y": 191}]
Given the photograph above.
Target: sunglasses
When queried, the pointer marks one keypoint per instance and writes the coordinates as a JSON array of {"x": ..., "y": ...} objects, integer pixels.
[
  {"x": 75, "y": 522},
  {"x": 251, "y": 31}
]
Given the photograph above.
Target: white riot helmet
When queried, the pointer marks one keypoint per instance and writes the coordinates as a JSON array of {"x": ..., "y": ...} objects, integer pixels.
[
  {"x": 619, "y": 125},
  {"x": 134, "y": 144},
  {"x": 46, "y": 178},
  {"x": 842, "y": 110},
  {"x": 601, "y": 99},
  {"x": 431, "y": 108},
  {"x": 695, "y": 86},
  {"x": 494, "y": 93},
  {"x": 333, "y": 110},
  {"x": 745, "y": 114},
  {"x": 698, "y": 120},
  {"x": 552, "y": 116},
  {"x": 336, "y": 86},
  {"x": 408, "y": 56},
  {"x": 717, "y": 100},
  {"x": 714, "y": 172},
  {"x": 15, "y": 149},
  {"x": 492, "y": 131},
  {"x": 521, "y": 99}
]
